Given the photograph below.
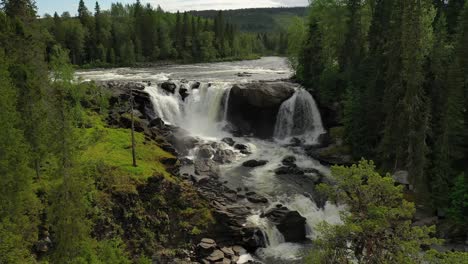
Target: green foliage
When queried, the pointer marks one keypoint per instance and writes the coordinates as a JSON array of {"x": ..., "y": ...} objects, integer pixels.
[
  {"x": 458, "y": 208},
  {"x": 296, "y": 37},
  {"x": 376, "y": 225},
  {"x": 19, "y": 206},
  {"x": 258, "y": 20},
  {"x": 447, "y": 257},
  {"x": 395, "y": 73},
  {"x": 111, "y": 147},
  {"x": 130, "y": 34}
]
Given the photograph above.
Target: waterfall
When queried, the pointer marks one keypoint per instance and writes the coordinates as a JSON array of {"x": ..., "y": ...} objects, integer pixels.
[
  {"x": 226, "y": 105},
  {"x": 201, "y": 113},
  {"x": 272, "y": 235},
  {"x": 299, "y": 117}
]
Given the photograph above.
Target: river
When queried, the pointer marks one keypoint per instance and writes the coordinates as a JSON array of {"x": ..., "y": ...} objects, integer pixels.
[{"x": 204, "y": 114}]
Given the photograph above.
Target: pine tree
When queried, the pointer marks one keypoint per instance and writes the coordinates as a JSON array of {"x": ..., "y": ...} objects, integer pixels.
[
  {"x": 442, "y": 82},
  {"x": 415, "y": 101},
  {"x": 68, "y": 210},
  {"x": 454, "y": 9},
  {"x": 351, "y": 75},
  {"x": 311, "y": 64},
  {"x": 83, "y": 13},
  {"x": 18, "y": 209},
  {"x": 374, "y": 68},
  {"x": 24, "y": 9}
]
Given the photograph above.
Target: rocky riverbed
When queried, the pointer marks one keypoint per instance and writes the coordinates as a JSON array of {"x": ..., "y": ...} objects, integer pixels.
[{"x": 254, "y": 149}]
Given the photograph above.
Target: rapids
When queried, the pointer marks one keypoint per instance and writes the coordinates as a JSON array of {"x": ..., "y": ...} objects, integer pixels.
[{"x": 204, "y": 114}]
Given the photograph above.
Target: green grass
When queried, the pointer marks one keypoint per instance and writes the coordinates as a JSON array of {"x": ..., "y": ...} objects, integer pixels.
[{"x": 111, "y": 147}]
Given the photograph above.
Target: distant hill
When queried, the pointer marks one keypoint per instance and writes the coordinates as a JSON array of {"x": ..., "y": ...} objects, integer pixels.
[{"x": 258, "y": 19}]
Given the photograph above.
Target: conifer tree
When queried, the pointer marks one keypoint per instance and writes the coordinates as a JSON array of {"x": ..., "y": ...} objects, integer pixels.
[{"x": 19, "y": 206}]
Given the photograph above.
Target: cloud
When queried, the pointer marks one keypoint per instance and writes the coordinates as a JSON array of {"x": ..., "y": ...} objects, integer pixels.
[{"x": 183, "y": 5}]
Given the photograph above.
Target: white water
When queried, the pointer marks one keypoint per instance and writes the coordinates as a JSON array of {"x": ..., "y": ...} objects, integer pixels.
[
  {"x": 204, "y": 114},
  {"x": 299, "y": 117},
  {"x": 201, "y": 113}
]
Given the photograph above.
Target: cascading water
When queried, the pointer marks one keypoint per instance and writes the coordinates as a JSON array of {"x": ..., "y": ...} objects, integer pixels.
[
  {"x": 299, "y": 117},
  {"x": 201, "y": 113}
]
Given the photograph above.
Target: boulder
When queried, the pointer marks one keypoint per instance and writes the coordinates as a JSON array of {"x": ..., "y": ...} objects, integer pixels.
[
  {"x": 228, "y": 251},
  {"x": 205, "y": 152},
  {"x": 206, "y": 247},
  {"x": 256, "y": 198},
  {"x": 289, "y": 170},
  {"x": 169, "y": 87},
  {"x": 224, "y": 156},
  {"x": 331, "y": 155},
  {"x": 199, "y": 179},
  {"x": 253, "y": 107},
  {"x": 157, "y": 122},
  {"x": 244, "y": 149},
  {"x": 183, "y": 91},
  {"x": 195, "y": 85},
  {"x": 289, "y": 160},
  {"x": 401, "y": 177},
  {"x": 228, "y": 141},
  {"x": 290, "y": 223},
  {"x": 254, "y": 163},
  {"x": 207, "y": 167}
]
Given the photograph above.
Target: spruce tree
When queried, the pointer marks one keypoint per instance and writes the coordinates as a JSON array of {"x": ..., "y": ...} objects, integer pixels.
[
  {"x": 374, "y": 68},
  {"x": 415, "y": 101},
  {"x": 19, "y": 206}
]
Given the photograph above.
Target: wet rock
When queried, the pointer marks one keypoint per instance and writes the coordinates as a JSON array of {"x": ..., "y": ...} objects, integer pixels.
[
  {"x": 183, "y": 143},
  {"x": 228, "y": 251},
  {"x": 169, "y": 87},
  {"x": 295, "y": 142},
  {"x": 183, "y": 91},
  {"x": 207, "y": 167},
  {"x": 224, "y": 156},
  {"x": 169, "y": 148},
  {"x": 186, "y": 161},
  {"x": 170, "y": 161},
  {"x": 157, "y": 122},
  {"x": 291, "y": 170},
  {"x": 196, "y": 85},
  {"x": 238, "y": 250},
  {"x": 206, "y": 247},
  {"x": 311, "y": 170},
  {"x": 253, "y": 107},
  {"x": 331, "y": 155},
  {"x": 135, "y": 86},
  {"x": 290, "y": 223},
  {"x": 228, "y": 141},
  {"x": 324, "y": 140},
  {"x": 205, "y": 152},
  {"x": 254, "y": 163},
  {"x": 256, "y": 198},
  {"x": 244, "y": 149},
  {"x": 289, "y": 160},
  {"x": 198, "y": 179}
]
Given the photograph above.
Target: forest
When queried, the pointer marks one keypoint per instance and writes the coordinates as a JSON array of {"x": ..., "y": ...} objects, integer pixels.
[
  {"x": 394, "y": 73},
  {"x": 397, "y": 74},
  {"x": 129, "y": 34}
]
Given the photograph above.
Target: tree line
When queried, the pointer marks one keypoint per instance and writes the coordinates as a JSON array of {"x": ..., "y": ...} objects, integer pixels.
[
  {"x": 397, "y": 72},
  {"x": 133, "y": 33}
]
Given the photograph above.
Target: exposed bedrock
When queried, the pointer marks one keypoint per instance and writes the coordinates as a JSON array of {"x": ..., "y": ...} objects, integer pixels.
[
  {"x": 253, "y": 107},
  {"x": 290, "y": 223}
]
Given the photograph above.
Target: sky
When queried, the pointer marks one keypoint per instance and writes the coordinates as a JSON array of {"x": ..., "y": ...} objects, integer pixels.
[{"x": 60, "y": 6}]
